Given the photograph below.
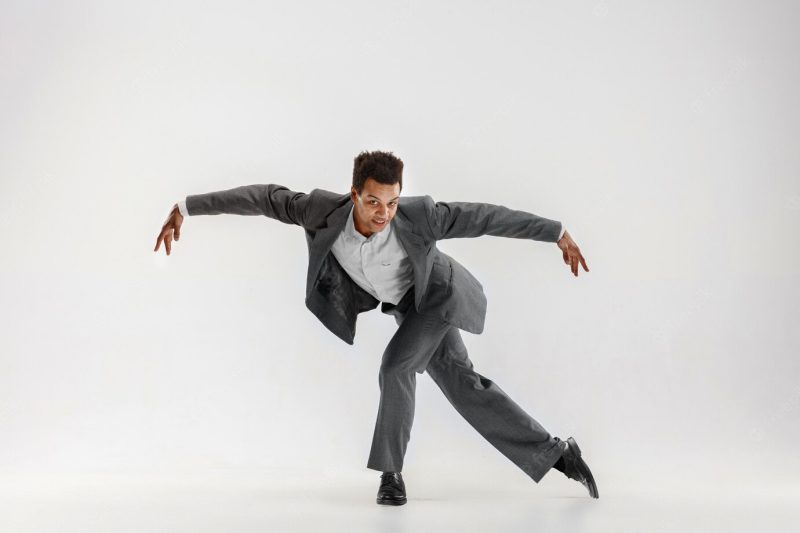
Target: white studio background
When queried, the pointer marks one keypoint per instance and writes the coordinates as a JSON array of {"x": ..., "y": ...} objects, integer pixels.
[{"x": 664, "y": 136}]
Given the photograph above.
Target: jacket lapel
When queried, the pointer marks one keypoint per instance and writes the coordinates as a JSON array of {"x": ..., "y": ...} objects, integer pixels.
[
  {"x": 323, "y": 241},
  {"x": 416, "y": 249}
]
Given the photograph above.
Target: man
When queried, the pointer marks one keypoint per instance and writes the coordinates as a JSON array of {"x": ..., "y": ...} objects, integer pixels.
[{"x": 373, "y": 247}]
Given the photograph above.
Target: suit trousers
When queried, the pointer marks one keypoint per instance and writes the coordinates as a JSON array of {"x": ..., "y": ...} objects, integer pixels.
[{"x": 427, "y": 343}]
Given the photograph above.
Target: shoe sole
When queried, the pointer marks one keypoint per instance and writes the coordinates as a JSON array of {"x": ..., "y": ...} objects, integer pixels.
[{"x": 390, "y": 502}]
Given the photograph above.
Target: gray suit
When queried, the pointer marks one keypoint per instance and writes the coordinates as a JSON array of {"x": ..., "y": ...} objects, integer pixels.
[{"x": 446, "y": 297}]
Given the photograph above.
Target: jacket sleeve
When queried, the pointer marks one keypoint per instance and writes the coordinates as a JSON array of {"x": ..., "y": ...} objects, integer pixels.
[
  {"x": 449, "y": 220},
  {"x": 270, "y": 200}
]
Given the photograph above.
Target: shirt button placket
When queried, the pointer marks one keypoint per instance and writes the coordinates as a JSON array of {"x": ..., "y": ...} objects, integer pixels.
[{"x": 363, "y": 253}]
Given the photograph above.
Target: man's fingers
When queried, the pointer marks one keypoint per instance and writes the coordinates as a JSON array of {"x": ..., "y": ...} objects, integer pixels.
[
  {"x": 166, "y": 238},
  {"x": 572, "y": 256},
  {"x": 160, "y": 239},
  {"x": 177, "y": 227}
]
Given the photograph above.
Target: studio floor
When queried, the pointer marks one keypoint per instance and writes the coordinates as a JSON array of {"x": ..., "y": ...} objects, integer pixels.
[{"x": 280, "y": 501}]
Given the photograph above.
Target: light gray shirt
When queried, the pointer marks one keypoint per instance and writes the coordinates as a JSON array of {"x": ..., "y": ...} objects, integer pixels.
[{"x": 378, "y": 264}]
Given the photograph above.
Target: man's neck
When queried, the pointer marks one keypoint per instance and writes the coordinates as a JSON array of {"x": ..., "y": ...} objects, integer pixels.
[{"x": 365, "y": 232}]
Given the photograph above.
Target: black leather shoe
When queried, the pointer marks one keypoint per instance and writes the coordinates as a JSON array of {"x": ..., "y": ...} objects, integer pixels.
[
  {"x": 392, "y": 490},
  {"x": 577, "y": 469}
]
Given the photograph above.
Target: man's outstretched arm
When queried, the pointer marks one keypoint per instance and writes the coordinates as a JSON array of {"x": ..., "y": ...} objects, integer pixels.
[
  {"x": 270, "y": 200},
  {"x": 450, "y": 220}
]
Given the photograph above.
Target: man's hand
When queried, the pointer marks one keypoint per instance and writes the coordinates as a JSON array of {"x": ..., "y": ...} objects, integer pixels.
[
  {"x": 571, "y": 253},
  {"x": 171, "y": 226}
]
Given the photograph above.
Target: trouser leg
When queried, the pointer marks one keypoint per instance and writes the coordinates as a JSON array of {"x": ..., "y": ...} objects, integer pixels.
[
  {"x": 490, "y": 411},
  {"x": 406, "y": 355}
]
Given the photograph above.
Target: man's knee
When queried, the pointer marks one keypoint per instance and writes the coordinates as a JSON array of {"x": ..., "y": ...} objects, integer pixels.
[
  {"x": 397, "y": 368},
  {"x": 406, "y": 361}
]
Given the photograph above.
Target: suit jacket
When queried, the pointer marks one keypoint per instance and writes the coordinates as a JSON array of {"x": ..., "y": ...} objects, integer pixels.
[{"x": 443, "y": 287}]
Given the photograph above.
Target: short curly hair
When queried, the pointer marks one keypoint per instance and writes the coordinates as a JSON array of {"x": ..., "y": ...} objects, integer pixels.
[{"x": 383, "y": 167}]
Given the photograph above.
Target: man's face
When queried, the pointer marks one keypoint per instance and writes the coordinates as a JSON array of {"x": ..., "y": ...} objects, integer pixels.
[{"x": 375, "y": 207}]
